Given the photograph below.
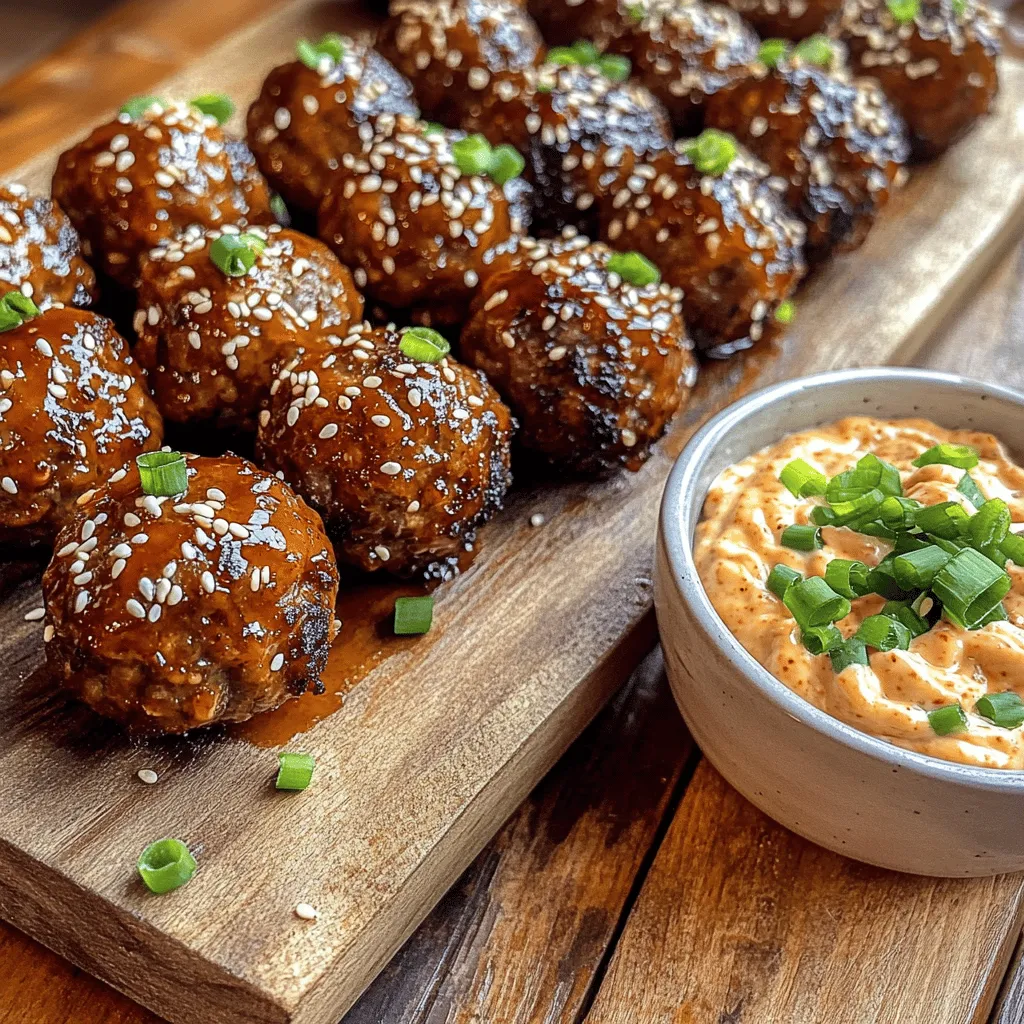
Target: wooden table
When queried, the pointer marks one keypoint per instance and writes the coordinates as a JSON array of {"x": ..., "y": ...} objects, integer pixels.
[{"x": 633, "y": 885}]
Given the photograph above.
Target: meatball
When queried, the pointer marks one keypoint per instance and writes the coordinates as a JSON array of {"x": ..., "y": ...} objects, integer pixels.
[
  {"x": 305, "y": 118},
  {"x": 73, "y": 409},
  {"x": 593, "y": 366},
  {"x": 452, "y": 50},
  {"x": 136, "y": 181},
  {"x": 415, "y": 228},
  {"x": 212, "y": 606},
  {"x": 722, "y": 234},
  {"x": 404, "y": 459},
  {"x": 939, "y": 69},
  {"x": 40, "y": 252},
  {"x": 838, "y": 143},
  {"x": 212, "y": 343},
  {"x": 787, "y": 19}
]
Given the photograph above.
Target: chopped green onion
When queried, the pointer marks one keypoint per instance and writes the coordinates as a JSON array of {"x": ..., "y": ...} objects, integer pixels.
[
  {"x": 506, "y": 163},
  {"x": 166, "y": 865},
  {"x": 294, "y": 771},
  {"x": 163, "y": 474},
  {"x": 948, "y": 720},
  {"x": 635, "y": 12},
  {"x": 330, "y": 48},
  {"x": 472, "y": 154},
  {"x": 813, "y": 602},
  {"x": 772, "y": 51},
  {"x": 424, "y": 345},
  {"x": 908, "y": 542},
  {"x": 712, "y": 152},
  {"x": 821, "y": 639},
  {"x": 959, "y": 7},
  {"x": 870, "y": 473},
  {"x": 884, "y": 633},
  {"x": 561, "y": 55},
  {"x": 942, "y": 520},
  {"x": 863, "y": 507},
  {"x": 904, "y": 613},
  {"x": 898, "y": 513},
  {"x": 847, "y": 577},
  {"x": 413, "y": 615},
  {"x": 15, "y": 309},
  {"x": 801, "y": 538},
  {"x": 948, "y": 544},
  {"x": 816, "y": 49},
  {"x": 989, "y": 525},
  {"x": 433, "y": 128},
  {"x": 851, "y": 652},
  {"x": 915, "y": 570},
  {"x": 236, "y": 255},
  {"x": 1003, "y": 709},
  {"x": 216, "y": 105},
  {"x": 280, "y": 210},
  {"x": 138, "y": 105},
  {"x": 802, "y": 479},
  {"x": 970, "y": 588},
  {"x": 785, "y": 311},
  {"x": 586, "y": 52},
  {"x": 960, "y": 455},
  {"x": 971, "y": 491},
  {"x": 822, "y": 515},
  {"x": 882, "y": 581},
  {"x": 1013, "y": 548},
  {"x": 903, "y": 11},
  {"x": 781, "y": 578},
  {"x": 873, "y": 528},
  {"x": 634, "y": 268},
  {"x": 614, "y": 67}
]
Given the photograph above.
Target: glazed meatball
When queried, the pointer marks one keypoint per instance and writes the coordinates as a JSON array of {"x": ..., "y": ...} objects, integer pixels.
[
  {"x": 73, "y": 409},
  {"x": 581, "y": 133},
  {"x": 212, "y": 342},
  {"x": 416, "y": 230},
  {"x": 838, "y": 143},
  {"x": 786, "y": 19},
  {"x": 136, "y": 181},
  {"x": 211, "y": 606},
  {"x": 452, "y": 50},
  {"x": 404, "y": 459},
  {"x": 939, "y": 70},
  {"x": 40, "y": 252},
  {"x": 305, "y": 118},
  {"x": 724, "y": 236},
  {"x": 593, "y": 367}
]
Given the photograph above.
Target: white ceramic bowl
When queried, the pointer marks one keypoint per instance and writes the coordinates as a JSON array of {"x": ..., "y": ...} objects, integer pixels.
[{"x": 838, "y": 787}]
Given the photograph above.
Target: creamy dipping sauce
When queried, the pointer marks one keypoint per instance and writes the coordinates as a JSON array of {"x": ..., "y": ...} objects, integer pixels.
[{"x": 737, "y": 544}]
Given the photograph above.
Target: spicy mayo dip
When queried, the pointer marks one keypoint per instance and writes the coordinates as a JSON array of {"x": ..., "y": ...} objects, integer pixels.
[{"x": 737, "y": 544}]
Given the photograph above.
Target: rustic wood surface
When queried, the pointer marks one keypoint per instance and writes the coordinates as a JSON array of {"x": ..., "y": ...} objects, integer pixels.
[{"x": 404, "y": 839}]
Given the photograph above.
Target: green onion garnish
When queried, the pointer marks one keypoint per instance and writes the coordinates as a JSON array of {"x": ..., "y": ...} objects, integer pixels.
[
  {"x": 472, "y": 154},
  {"x": 971, "y": 491},
  {"x": 236, "y": 255},
  {"x": 989, "y": 525},
  {"x": 821, "y": 639},
  {"x": 586, "y": 52},
  {"x": 870, "y": 473},
  {"x": 1013, "y": 548},
  {"x": 959, "y": 7},
  {"x": 780, "y": 579},
  {"x": 635, "y": 12},
  {"x": 423, "y": 345},
  {"x": 864, "y": 507},
  {"x": 163, "y": 474},
  {"x": 433, "y": 128},
  {"x": 772, "y": 51},
  {"x": 15, "y": 309},
  {"x": 280, "y": 210},
  {"x": 138, "y": 105},
  {"x": 970, "y": 588},
  {"x": 851, "y": 652},
  {"x": 561, "y": 55},
  {"x": 815, "y": 49},
  {"x": 904, "y": 613},
  {"x": 413, "y": 615},
  {"x": 801, "y": 538},
  {"x": 712, "y": 152},
  {"x": 884, "y": 633},
  {"x": 802, "y": 479},
  {"x": 822, "y": 515},
  {"x": 294, "y": 771},
  {"x": 785, "y": 311},
  {"x": 813, "y": 602},
  {"x": 948, "y": 720},
  {"x": 506, "y": 163},
  {"x": 166, "y": 865},
  {"x": 848, "y": 577},
  {"x": 330, "y": 49},
  {"x": 1003, "y": 709},
  {"x": 903, "y": 11},
  {"x": 915, "y": 570},
  {"x": 942, "y": 520},
  {"x": 898, "y": 513},
  {"x": 614, "y": 67},
  {"x": 882, "y": 580},
  {"x": 634, "y": 268},
  {"x": 216, "y": 105},
  {"x": 960, "y": 455}
]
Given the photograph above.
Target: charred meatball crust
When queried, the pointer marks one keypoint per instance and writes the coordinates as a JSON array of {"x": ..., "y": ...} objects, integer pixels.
[
  {"x": 305, "y": 119},
  {"x": 414, "y": 228},
  {"x": 728, "y": 242},
  {"x": 212, "y": 343},
  {"x": 136, "y": 182},
  {"x": 404, "y": 460},
  {"x": 40, "y": 251},
  {"x": 593, "y": 368},
  {"x": 73, "y": 409},
  {"x": 838, "y": 144},
  {"x": 170, "y": 613},
  {"x": 786, "y": 19},
  {"x": 939, "y": 70},
  {"x": 454, "y": 50}
]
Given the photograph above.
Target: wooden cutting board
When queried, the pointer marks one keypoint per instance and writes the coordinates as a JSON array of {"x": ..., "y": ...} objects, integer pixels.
[{"x": 439, "y": 738}]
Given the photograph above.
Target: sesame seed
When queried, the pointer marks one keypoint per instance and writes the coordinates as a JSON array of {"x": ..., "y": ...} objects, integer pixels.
[
  {"x": 391, "y": 468},
  {"x": 48, "y": 634},
  {"x": 537, "y": 519},
  {"x": 306, "y": 912},
  {"x": 135, "y": 608},
  {"x": 148, "y": 776},
  {"x": 35, "y": 615},
  {"x": 9, "y": 486},
  {"x": 278, "y": 663},
  {"x": 117, "y": 568},
  {"x": 208, "y": 582}
]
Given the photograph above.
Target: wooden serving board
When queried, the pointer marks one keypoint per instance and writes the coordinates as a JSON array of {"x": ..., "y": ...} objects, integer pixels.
[{"x": 439, "y": 738}]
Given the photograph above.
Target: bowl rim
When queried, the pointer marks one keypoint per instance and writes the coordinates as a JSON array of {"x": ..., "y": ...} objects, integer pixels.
[{"x": 686, "y": 584}]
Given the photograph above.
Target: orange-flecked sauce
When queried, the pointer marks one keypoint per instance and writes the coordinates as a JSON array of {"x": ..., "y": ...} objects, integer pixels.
[{"x": 737, "y": 544}]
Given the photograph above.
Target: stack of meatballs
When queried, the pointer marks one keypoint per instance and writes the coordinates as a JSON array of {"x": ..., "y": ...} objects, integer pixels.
[{"x": 529, "y": 216}]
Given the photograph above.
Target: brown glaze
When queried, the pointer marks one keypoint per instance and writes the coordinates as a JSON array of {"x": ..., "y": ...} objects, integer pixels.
[
  {"x": 728, "y": 241},
  {"x": 74, "y": 408},
  {"x": 837, "y": 142},
  {"x": 593, "y": 367},
  {"x": 134, "y": 183},
  {"x": 40, "y": 251},
  {"x": 212, "y": 343},
  {"x": 454, "y": 50},
  {"x": 563, "y": 22},
  {"x": 786, "y": 19},
  {"x": 171, "y": 613},
  {"x": 413, "y": 227},
  {"x": 404, "y": 460},
  {"x": 303, "y": 119},
  {"x": 939, "y": 70}
]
